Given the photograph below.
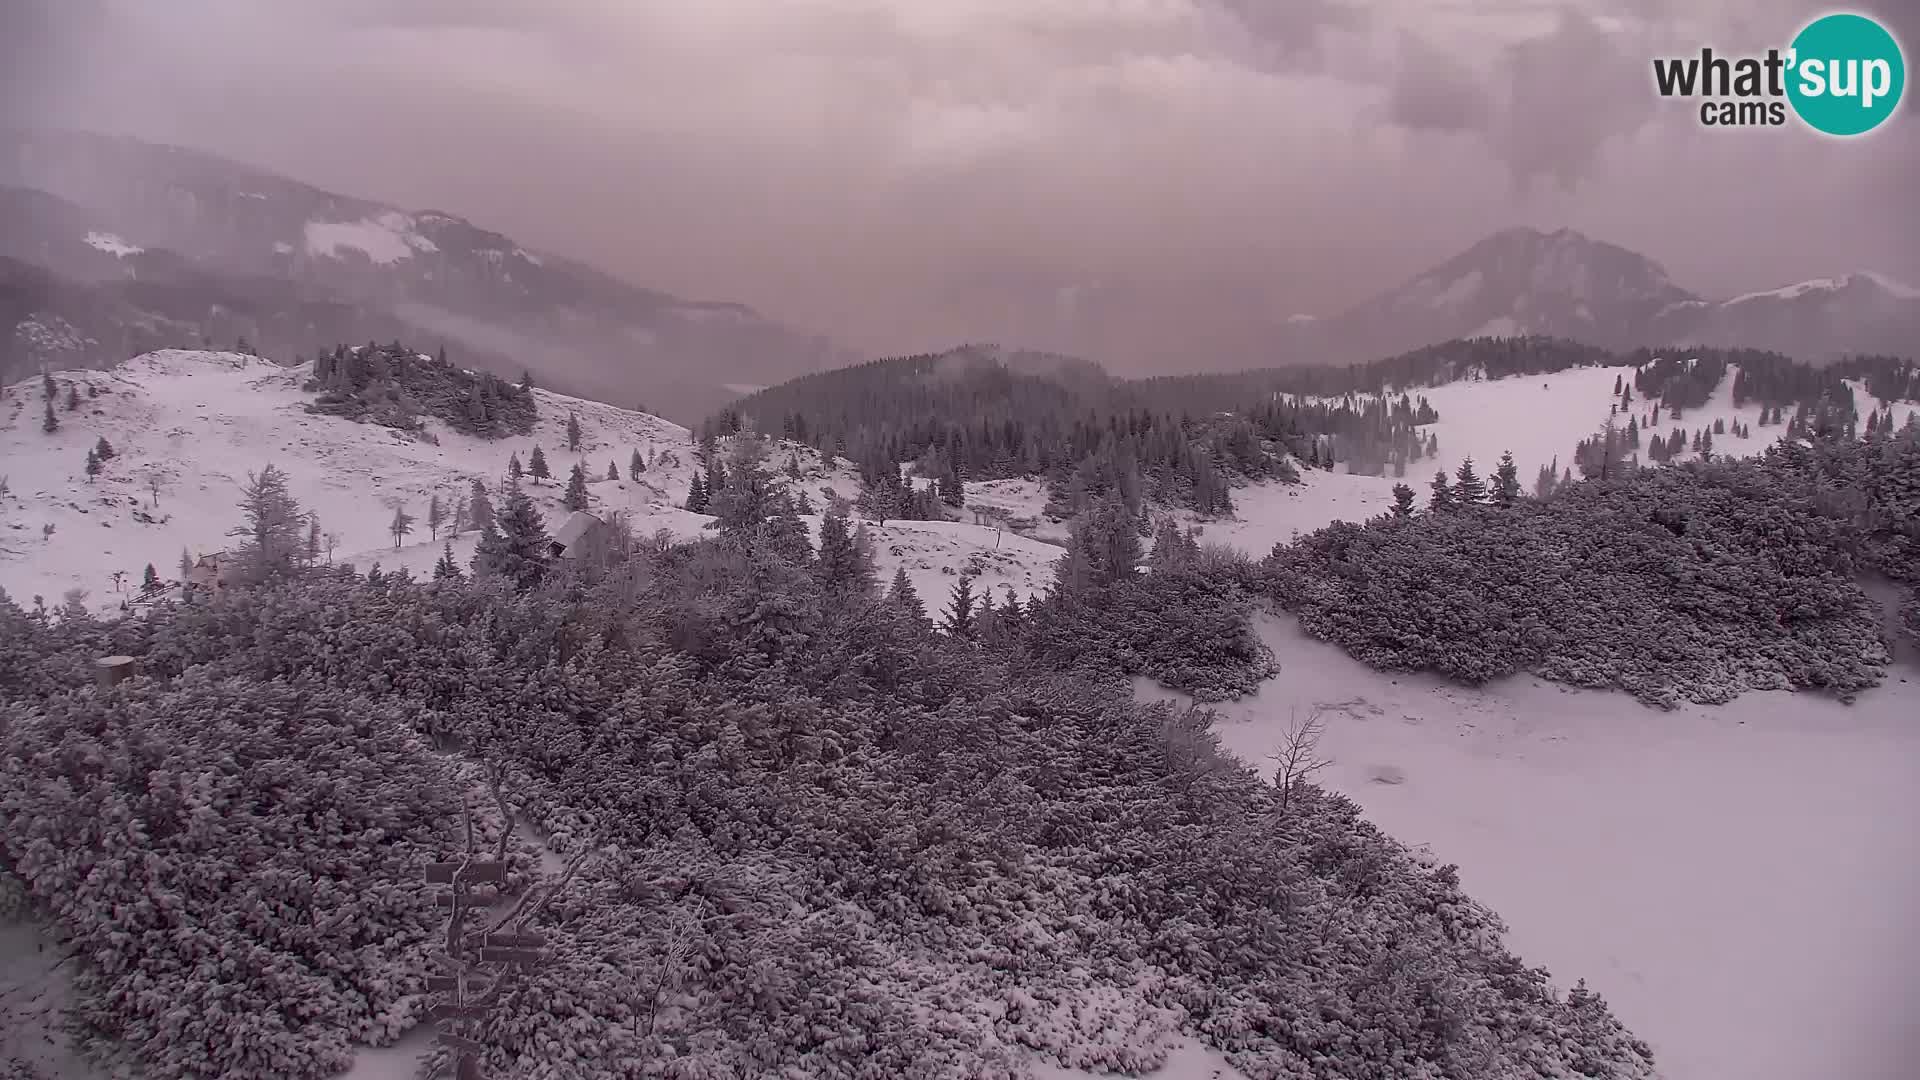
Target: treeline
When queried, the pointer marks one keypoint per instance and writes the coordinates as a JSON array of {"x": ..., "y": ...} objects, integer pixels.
[
  {"x": 834, "y": 838},
  {"x": 1693, "y": 582},
  {"x": 1889, "y": 378},
  {"x": 394, "y": 386},
  {"x": 967, "y": 415}
]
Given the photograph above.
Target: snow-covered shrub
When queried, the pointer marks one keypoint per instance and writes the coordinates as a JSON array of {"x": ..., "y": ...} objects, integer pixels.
[
  {"x": 1694, "y": 583},
  {"x": 845, "y": 846},
  {"x": 236, "y": 861}
]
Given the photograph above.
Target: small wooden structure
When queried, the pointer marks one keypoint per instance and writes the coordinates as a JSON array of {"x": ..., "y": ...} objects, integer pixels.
[
  {"x": 506, "y": 947},
  {"x": 109, "y": 670},
  {"x": 577, "y": 535}
]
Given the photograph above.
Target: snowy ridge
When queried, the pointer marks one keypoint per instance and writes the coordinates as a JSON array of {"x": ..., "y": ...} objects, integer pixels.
[
  {"x": 112, "y": 245},
  {"x": 195, "y": 423},
  {"x": 1892, "y": 287}
]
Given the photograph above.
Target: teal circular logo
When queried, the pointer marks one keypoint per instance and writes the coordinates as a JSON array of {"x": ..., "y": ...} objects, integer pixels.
[{"x": 1846, "y": 74}]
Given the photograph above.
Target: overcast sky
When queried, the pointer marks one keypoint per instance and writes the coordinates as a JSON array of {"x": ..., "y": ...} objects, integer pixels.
[{"x": 888, "y": 169}]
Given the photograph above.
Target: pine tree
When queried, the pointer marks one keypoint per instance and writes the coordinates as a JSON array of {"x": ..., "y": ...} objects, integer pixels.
[
  {"x": 573, "y": 434},
  {"x": 1617, "y": 386},
  {"x": 446, "y": 569},
  {"x": 613, "y": 471},
  {"x": 1468, "y": 488},
  {"x": 1402, "y": 500},
  {"x": 104, "y": 449},
  {"x": 576, "y": 497},
  {"x": 538, "y": 466},
  {"x": 903, "y": 598},
  {"x": 51, "y": 423},
  {"x": 150, "y": 581},
  {"x": 716, "y": 480},
  {"x": 1442, "y": 493},
  {"x": 636, "y": 464},
  {"x": 436, "y": 515},
  {"x": 518, "y": 548},
  {"x": 1506, "y": 481},
  {"x": 958, "y": 620},
  {"x": 272, "y": 528},
  {"x": 793, "y": 466},
  {"x": 697, "y": 495},
  {"x": 479, "y": 508},
  {"x": 514, "y": 472},
  {"x": 401, "y": 526},
  {"x": 1544, "y": 481}
]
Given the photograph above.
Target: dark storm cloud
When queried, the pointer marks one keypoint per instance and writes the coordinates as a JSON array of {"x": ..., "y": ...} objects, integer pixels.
[
  {"x": 874, "y": 167},
  {"x": 1433, "y": 90},
  {"x": 1567, "y": 93}
]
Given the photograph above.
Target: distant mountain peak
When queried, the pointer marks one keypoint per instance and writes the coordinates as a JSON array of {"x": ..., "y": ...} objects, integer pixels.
[{"x": 1524, "y": 281}]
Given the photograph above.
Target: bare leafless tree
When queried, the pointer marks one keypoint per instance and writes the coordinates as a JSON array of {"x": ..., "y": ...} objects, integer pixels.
[{"x": 1297, "y": 758}]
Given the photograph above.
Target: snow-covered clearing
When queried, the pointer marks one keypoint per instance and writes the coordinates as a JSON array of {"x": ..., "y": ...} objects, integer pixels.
[
  {"x": 1738, "y": 881},
  {"x": 198, "y": 422}
]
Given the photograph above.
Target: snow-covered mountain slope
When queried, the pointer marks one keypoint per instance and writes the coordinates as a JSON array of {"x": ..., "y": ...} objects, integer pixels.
[
  {"x": 191, "y": 425},
  {"x": 261, "y": 245}
]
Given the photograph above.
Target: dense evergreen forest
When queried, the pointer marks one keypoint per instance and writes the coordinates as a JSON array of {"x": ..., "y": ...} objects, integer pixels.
[
  {"x": 395, "y": 386},
  {"x": 1188, "y": 439},
  {"x": 829, "y": 832}
]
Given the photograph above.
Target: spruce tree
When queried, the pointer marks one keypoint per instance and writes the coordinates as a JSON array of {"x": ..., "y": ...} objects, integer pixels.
[
  {"x": 514, "y": 472},
  {"x": 697, "y": 495},
  {"x": 51, "y": 423},
  {"x": 479, "y": 508},
  {"x": 48, "y": 386},
  {"x": 576, "y": 497},
  {"x": 1442, "y": 493},
  {"x": 150, "y": 581},
  {"x": 446, "y": 569},
  {"x": 958, "y": 619},
  {"x": 73, "y": 398},
  {"x": 573, "y": 433},
  {"x": 1506, "y": 481},
  {"x": 903, "y": 598},
  {"x": 613, "y": 471},
  {"x": 93, "y": 463},
  {"x": 517, "y": 548},
  {"x": 436, "y": 515},
  {"x": 538, "y": 465},
  {"x": 636, "y": 465},
  {"x": 1402, "y": 500},
  {"x": 1468, "y": 488},
  {"x": 104, "y": 449}
]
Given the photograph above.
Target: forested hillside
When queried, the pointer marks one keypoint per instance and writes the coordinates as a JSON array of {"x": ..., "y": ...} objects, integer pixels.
[
  {"x": 829, "y": 837},
  {"x": 1188, "y": 440}
]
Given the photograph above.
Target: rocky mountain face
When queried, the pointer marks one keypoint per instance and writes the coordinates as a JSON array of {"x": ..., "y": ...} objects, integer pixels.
[
  {"x": 192, "y": 247},
  {"x": 1563, "y": 284}
]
